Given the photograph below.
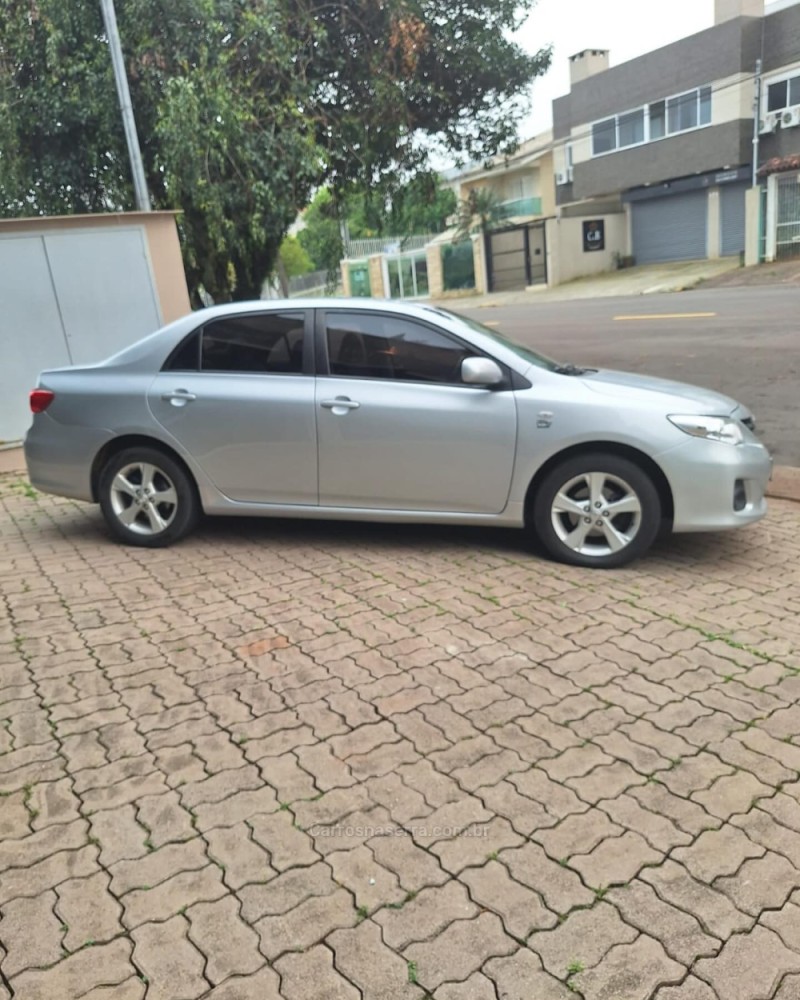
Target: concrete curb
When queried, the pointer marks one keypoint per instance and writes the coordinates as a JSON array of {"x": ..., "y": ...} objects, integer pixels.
[{"x": 784, "y": 485}]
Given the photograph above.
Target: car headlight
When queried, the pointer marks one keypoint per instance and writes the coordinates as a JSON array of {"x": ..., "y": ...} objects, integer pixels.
[{"x": 712, "y": 428}]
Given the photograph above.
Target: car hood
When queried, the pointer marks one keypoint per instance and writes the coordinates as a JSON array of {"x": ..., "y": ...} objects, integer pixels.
[{"x": 689, "y": 397}]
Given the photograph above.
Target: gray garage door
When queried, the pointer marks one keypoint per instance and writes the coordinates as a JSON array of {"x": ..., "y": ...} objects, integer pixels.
[
  {"x": 732, "y": 218},
  {"x": 672, "y": 228}
]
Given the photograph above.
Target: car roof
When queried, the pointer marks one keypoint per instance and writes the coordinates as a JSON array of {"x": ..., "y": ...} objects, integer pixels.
[{"x": 328, "y": 302}]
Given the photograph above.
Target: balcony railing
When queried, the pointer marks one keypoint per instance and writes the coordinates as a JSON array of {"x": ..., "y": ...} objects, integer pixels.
[{"x": 520, "y": 206}]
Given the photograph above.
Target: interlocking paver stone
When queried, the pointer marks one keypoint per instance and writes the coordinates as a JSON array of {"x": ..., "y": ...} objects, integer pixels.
[
  {"x": 104, "y": 965},
  {"x": 425, "y": 915},
  {"x": 361, "y": 956},
  {"x": 714, "y": 910},
  {"x": 88, "y": 910},
  {"x": 680, "y": 933},
  {"x": 477, "y": 987},
  {"x": 459, "y": 950},
  {"x": 173, "y": 966},
  {"x": 522, "y": 976},
  {"x": 762, "y": 884},
  {"x": 749, "y": 965},
  {"x": 616, "y": 860},
  {"x": 418, "y": 689},
  {"x": 577, "y": 834},
  {"x": 157, "y": 866},
  {"x": 311, "y": 976},
  {"x": 690, "y": 989},
  {"x": 716, "y": 853},
  {"x": 307, "y": 924},
  {"x": 560, "y": 888},
  {"x": 518, "y": 906},
  {"x": 371, "y": 884},
  {"x": 24, "y": 949},
  {"x": 584, "y": 937},
  {"x": 632, "y": 971},
  {"x": 286, "y": 891},
  {"x": 172, "y": 895},
  {"x": 219, "y": 933}
]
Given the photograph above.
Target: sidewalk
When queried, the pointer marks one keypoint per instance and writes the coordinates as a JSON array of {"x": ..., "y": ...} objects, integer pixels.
[{"x": 645, "y": 280}]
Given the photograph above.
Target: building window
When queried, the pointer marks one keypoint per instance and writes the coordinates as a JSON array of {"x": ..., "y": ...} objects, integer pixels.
[
  {"x": 604, "y": 136},
  {"x": 631, "y": 128},
  {"x": 656, "y": 121},
  {"x": 783, "y": 94}
]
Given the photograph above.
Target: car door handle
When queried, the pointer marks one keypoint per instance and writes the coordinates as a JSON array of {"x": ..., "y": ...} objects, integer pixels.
[
  {"x": 180, "y": 397},
  {"x": 341, "y": 402}
]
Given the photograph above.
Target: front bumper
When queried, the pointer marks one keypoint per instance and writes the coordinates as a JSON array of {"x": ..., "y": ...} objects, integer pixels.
[{"x": 716, "y": 486}]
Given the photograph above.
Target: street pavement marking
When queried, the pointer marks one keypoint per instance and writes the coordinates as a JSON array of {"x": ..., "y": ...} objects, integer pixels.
[
  {"x": 494, "y": 322},
  {"x": 667, "y": 316}
]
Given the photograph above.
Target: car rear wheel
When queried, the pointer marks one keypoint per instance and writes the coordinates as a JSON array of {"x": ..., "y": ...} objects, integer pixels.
[
  {"x": 597, "y": 510},
  {"x": 147, "y": 498}
]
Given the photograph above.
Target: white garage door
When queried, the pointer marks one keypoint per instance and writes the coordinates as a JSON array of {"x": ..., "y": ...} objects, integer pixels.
[
  {"x": 68, "y": 298},
  {"x": 672, "y": 228}
]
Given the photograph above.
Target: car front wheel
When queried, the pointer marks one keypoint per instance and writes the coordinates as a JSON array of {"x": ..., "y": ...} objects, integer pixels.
[
  {"x": 147, "y": 498},
  {"x": 597, "y": 510}
]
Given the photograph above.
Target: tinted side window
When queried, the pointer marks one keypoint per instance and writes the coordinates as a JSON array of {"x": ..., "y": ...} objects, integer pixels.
[
  {"x": 268, "y": 343},
  {"x": 186, "y": 356},
  {"x": 363, "y": 345}
]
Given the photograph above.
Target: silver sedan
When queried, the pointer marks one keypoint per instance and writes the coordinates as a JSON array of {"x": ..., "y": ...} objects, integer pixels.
[{"x": 389, "y": 412}]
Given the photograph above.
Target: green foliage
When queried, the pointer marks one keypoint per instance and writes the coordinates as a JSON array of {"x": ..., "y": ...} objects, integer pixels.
[
  {"x": 295, "y": 259},
  {"x": 244, "y": 107},
  {"x": 477, "y": 213},
  {"x": 400, "y": 207},
  {"x": 322, "y": 239}
]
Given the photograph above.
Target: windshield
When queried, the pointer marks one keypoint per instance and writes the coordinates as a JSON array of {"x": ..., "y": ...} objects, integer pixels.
[{"x": 523, "y": 352}]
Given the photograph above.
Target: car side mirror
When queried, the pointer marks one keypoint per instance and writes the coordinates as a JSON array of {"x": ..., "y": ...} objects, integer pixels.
[{"x": 481, "y": 371}]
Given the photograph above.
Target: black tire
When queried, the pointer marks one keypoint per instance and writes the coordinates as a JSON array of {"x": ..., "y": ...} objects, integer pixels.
[
  {"x": 136, "y": 518},
  {"x": 585, "y": 513}
]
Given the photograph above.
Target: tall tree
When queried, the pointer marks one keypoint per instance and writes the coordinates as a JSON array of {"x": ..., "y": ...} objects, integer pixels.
[{"x": 245, "y": 106}]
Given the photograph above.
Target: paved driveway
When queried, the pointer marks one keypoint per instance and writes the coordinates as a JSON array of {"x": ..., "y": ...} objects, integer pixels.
[{"x": 320, "y": 762}]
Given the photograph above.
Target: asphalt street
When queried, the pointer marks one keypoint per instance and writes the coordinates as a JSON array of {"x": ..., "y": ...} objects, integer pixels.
[{"x": 744, "y": 342}]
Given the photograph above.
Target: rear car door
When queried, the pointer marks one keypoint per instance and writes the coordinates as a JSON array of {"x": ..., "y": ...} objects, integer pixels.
[
  {"x": 238, "y": 395},
  {"x": 397, "y": 428}
]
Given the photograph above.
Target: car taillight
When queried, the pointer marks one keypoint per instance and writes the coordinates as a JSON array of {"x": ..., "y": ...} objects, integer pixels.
[{"x": 41, "y": 399}]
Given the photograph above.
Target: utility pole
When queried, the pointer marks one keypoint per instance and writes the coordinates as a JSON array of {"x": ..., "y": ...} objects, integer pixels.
[
  {"x": 757, "y": 124},
  {"x": 128, "y": 121}
]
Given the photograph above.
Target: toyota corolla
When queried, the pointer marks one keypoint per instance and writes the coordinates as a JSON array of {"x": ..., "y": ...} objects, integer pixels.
[{"x": 389, "y": 412}]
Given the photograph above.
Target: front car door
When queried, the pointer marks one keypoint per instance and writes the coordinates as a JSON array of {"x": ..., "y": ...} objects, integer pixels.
[
  {"x": 238, "y": 396},
  {"x": 397, "y": 428}
]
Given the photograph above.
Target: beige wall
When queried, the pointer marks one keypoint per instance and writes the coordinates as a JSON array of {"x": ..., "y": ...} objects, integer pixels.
[
  {"x": 479, "y": 256},
  {"x": 547, "y": 185},
  {"x": 433, "y": 253},
  {"x": 752, "y": 207},
  {"x": 566, "y": 259},
  {"x": 376, "y": 277},
  {"x": 163, "y": 247}
]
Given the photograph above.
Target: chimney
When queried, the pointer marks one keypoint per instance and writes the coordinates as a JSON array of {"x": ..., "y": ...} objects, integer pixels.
[
  {"x": 587, "y": 63},
  {"x": 727, "y": 10}
]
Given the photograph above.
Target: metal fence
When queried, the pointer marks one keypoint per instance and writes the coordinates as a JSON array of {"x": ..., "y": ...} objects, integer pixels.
[
  {"x": 788, "y": 221},
  {"x": 314, "y": 283},
  {"x": 387, "y": 244}
]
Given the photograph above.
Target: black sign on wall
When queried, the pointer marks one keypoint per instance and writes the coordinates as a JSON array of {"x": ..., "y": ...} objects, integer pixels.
[{"x": 594, "y": 236}]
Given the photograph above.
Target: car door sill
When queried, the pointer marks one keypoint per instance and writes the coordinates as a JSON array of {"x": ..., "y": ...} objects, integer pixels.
[{"x": 511, "y": 516}]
